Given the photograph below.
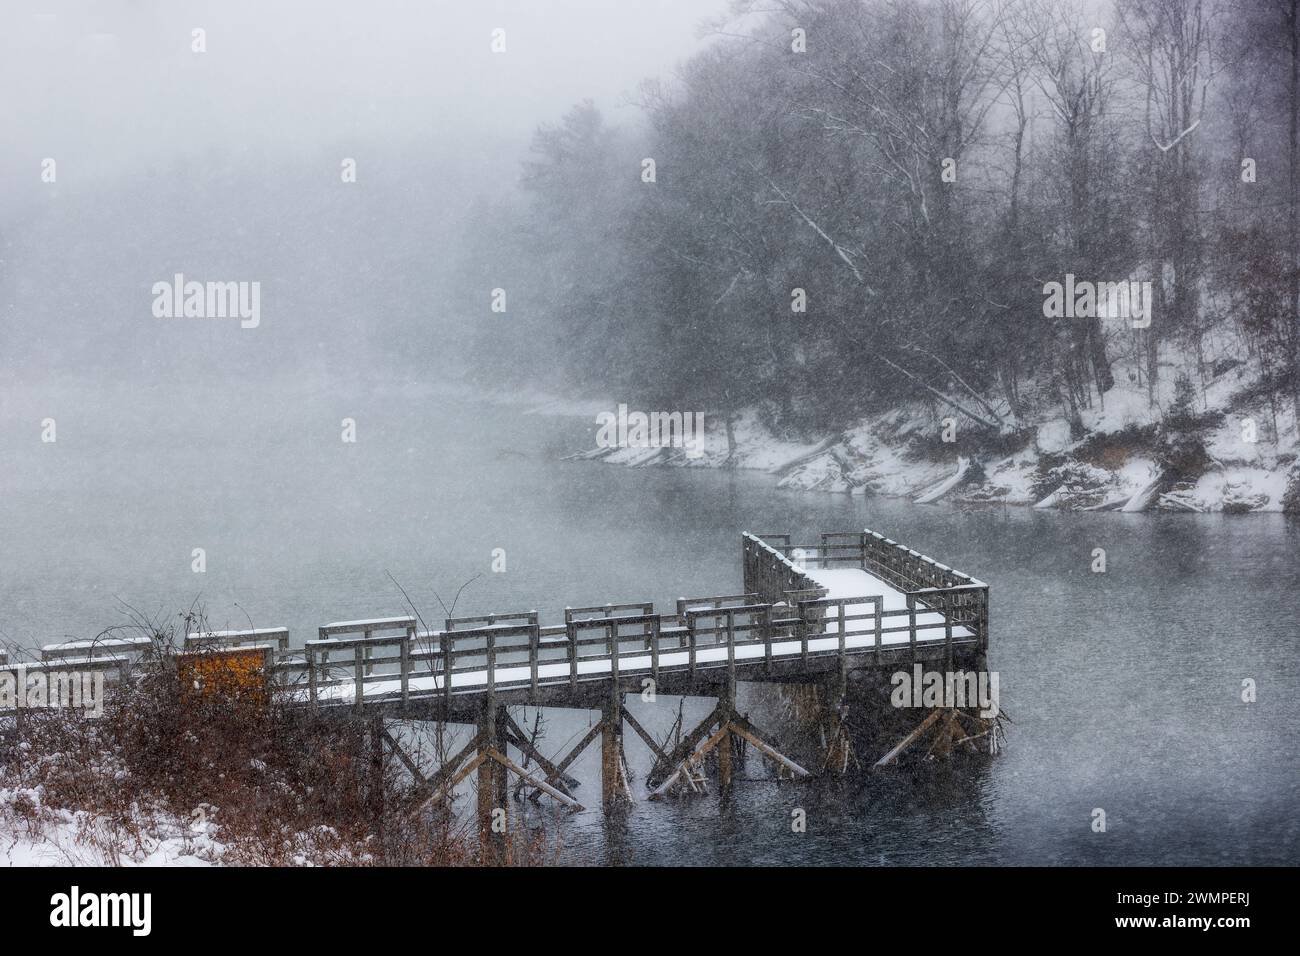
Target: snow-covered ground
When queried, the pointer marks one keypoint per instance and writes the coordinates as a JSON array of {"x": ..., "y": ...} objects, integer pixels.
[
  {"x": 1251, "y": 448},
  {"x": 33, "y": 834}
]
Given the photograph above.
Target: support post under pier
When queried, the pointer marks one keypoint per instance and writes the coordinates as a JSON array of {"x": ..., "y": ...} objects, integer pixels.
[
  {"x": 727, "y": 707},
  {"x": 611, "y": 754},
  {"x": 491, "y": 842}
]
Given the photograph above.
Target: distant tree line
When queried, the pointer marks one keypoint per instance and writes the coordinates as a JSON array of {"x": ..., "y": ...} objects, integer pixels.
[{"x": 910, "y": 173}]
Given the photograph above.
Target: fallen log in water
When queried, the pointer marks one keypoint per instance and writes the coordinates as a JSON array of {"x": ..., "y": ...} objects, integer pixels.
[{"x": 947, "y": 485}]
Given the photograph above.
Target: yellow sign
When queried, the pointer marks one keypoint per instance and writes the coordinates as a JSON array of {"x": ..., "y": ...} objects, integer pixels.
[{"x": 229, "y": 672}]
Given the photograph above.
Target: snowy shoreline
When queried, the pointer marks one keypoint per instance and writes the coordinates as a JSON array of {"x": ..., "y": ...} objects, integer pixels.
[{"x": 1115, "y": 465}]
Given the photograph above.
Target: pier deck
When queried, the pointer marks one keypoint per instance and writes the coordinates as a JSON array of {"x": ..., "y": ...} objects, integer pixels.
[
  {"x": 853, "y": 600},
  {"x": 805, "y": 614}
]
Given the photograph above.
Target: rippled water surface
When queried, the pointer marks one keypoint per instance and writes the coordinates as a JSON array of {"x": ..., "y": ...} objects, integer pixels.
[{"x": 1123, "y": 688}]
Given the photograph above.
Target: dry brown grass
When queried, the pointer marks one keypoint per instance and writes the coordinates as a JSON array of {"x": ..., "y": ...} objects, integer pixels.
[{"x": 272, "y": 784}]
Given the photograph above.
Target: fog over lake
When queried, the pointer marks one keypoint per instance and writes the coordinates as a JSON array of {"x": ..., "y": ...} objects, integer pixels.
[{"x": 336, "y": 412}]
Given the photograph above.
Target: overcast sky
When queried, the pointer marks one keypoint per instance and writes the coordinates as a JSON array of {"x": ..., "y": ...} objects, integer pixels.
[
  {"x": 105, "y": 85},
  {"x": 227, "y": 162}
]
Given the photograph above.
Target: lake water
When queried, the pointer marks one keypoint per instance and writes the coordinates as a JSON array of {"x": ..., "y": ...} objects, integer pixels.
[{"x": 1124, "y": 688}]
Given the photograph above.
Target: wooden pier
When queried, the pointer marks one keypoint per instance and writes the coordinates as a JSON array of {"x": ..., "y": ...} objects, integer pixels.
[{"x": 804, "y": 614}]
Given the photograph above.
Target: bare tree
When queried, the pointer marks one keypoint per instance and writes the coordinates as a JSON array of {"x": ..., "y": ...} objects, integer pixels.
[
  {"x": 1074, "y": 75},
  {"x": 1170, "y": 51}
]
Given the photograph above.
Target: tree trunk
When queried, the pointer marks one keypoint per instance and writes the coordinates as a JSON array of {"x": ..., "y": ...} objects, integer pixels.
[{"x": 1293, "y": 199}]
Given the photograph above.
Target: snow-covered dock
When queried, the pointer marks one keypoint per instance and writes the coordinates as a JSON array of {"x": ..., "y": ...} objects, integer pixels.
[
  {"x": 805, "y": 614},
  {"x": 851, "y": 600}
]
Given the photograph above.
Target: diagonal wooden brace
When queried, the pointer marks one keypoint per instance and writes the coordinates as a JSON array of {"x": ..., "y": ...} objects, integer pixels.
[
  {"x": 650, "y": 742},
  {"x": 523, "y": 774},
  {"x": 910, "y": 739},
  {"x": 438, "y": 784},
  {"x": 402, "y": 755},
  {"x": 554, "y": 775},
  {"x": 582, "y": 745},
  {"x": 686, "y": 745},
  {"x": 747, "y": 730},
  {"x": 741, "y": 727}
]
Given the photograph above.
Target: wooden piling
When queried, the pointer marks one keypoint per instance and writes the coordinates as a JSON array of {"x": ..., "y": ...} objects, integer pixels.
[
  {"x": 490, "y": 843},
  {"x": 727, "y": 712},
  {"x": 375, "y": 791},
  {"x": 724, "y": 763},
  {"x": 501, "y": 779},
  {"x": 611, "y": 783}
]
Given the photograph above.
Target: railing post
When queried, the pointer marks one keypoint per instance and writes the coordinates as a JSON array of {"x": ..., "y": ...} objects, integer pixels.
[
  {"x": 405, "y": 664},
  {"x": 445, "y": 640},
  {"x": 690, "y": 641},
  {"x": 654, "y": 652},
  {"x": 311, "y": 672},
  {"x": 843, "y": 625},
  {"x": 611, "y": 644},
  {"x": 911, "y": 623},
  {"x": 358, "y": 675},
  {"x": 572, "y": 628},
  {"x": 731, "y": 647},
  {"x": 765, "y": 622},
  {"x": 984, "y": 619},
  {"x": 534, "y": 636},
  {"x": 802, "y": 629},
  {"x": 947, "y": 639},
  {"x": 879, "y": 638},
  {"x": 370, "y": 668},
  {"x": 491, "y": 662}
]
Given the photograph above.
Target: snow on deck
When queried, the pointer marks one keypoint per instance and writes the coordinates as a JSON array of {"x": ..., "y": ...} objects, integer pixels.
[
  {"x": 249, "y": 632},
  {"x": 375, "y": 622},
  {"x": 105, "y": 642},
  {"x": 854, "y": 582}
]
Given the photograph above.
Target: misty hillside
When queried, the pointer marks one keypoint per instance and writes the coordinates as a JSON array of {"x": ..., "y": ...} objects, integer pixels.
[{"x": 859, "y": 206}]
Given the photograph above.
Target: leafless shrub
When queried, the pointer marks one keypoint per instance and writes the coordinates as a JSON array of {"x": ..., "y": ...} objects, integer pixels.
[{"x": 269, "y": 784}]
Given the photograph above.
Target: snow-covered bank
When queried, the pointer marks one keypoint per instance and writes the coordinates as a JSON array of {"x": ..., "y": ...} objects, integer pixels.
[
  {"x": 1131, "y": 454},
  {"x": 34, "y": 834},
  {"x": 1117, "y": 457}
]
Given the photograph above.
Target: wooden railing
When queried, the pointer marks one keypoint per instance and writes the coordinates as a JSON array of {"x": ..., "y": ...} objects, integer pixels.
[
  {"x": 783, "y": 615},
  {"x": 339, "y": 636},
  {"x": 962, "y": 599},
  {"x": 279, "y": 636},
  {"x": 131, "y": 648},
  {"x": 906, "y": 569},
  {"x": 489, "y": 620},
  {"x": 521, "y": 657},
  {"x": 606, "y": 610},
  {"x": 771, "y": 574},
  {"x": 116, "y": 669}
]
